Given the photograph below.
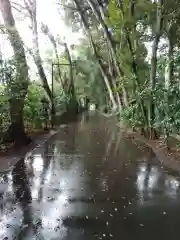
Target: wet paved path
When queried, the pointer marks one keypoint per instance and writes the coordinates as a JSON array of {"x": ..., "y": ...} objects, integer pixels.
[{"x": 88, "y": 182}]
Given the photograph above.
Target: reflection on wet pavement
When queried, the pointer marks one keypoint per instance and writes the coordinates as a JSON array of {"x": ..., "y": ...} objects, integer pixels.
[{"x": 88, "y": 182}]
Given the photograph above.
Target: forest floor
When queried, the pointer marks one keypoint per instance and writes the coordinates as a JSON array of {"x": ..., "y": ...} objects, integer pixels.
[
  {"x": 8, "y": 148},
  {"x": 168, "y": 155},
  {"x": 9, "y": 156}
]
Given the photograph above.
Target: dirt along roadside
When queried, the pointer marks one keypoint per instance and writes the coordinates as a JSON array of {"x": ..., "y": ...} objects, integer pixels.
[
  {"x": 12, "y": 156},
  {"x": 168, "y": 157}
]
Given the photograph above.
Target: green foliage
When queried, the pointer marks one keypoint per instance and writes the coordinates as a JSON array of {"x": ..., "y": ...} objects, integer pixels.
[
  {"x": 87, "y": 75},
  {"x": 4, "y": 109},
  {"x": 167, "y": 103},
  {"x": 131, "y": 116},
  {"x": 131, "y": 26},
  {"x": 168, "y": 109},
  {"x": 61, "y": 100},
  {"x": 33, "y": 111}
]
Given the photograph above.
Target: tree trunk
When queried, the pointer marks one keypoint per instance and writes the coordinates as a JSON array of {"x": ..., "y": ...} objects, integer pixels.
[
  {"x": 169, "y": 77},
  {"x": 70, "y": 88},
  {"x": 106, "y": 80},
  {"x": 31, "y": 7},
  {"x": 108, "y": 36},
  {"x": 113, "y": 76},
  {"x": 132, "y": 48},
  {"x": 47, "y": 32},
  {"x": 159, "y": 20},
  {"x": 19, "y": 86},
  {"x": 73, "y": 104},
  {"x": 170, "y": 66},
  {"x": 103, "y": 72}
]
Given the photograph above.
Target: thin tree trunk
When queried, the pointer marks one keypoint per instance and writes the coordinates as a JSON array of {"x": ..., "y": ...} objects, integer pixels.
[
  {"x": 37, "y": 57},
  {"x": 159, "y": 20},
  {"x": 32, "y": 9},
  {"x": 106, "y": 80},
  {"x": 103, "y": 72},
  {"x": 169, "y": 79},
  {"x": 47, "y": 32},
  {"x": 118, "y": 96},
  {"x": 170, "y": 62},
  {"x": 108, "y": 36},
  {"x": 71, "y": 88},
  {"x": 134, "y": 63},
  {"x": 19, "y": 86}
]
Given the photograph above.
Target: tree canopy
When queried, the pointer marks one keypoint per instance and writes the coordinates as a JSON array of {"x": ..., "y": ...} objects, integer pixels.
[{"x": 125, "y": 61}]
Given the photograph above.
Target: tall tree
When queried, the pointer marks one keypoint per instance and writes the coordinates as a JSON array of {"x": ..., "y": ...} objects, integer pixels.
[
  {"x": 99, "y": 14},
  {"x": 18, "y": 87},
  {"x": 45, "y": 29},
  {"x": 31, "y": 7},
  {"x": 98, "y": 58},
  {"x": 157, "y": 35},
  {"x": 171, "y": 27},
  {"x": 131, "y": 28},
  {"x": 73, "y": 103}
]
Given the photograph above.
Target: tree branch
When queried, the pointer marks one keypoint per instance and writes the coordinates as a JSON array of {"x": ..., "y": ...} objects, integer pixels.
[
  {"x": 28, "y": 7},
  {"x": 20, "y": 8},
  {"x": 15, "y": 4},
  {"x": 73, "y": 8},
  {"x": 3, "y": 29}
]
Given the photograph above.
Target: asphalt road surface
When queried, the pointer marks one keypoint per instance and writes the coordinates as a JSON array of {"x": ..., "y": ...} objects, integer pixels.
[{"x": 89, "y": 182}]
